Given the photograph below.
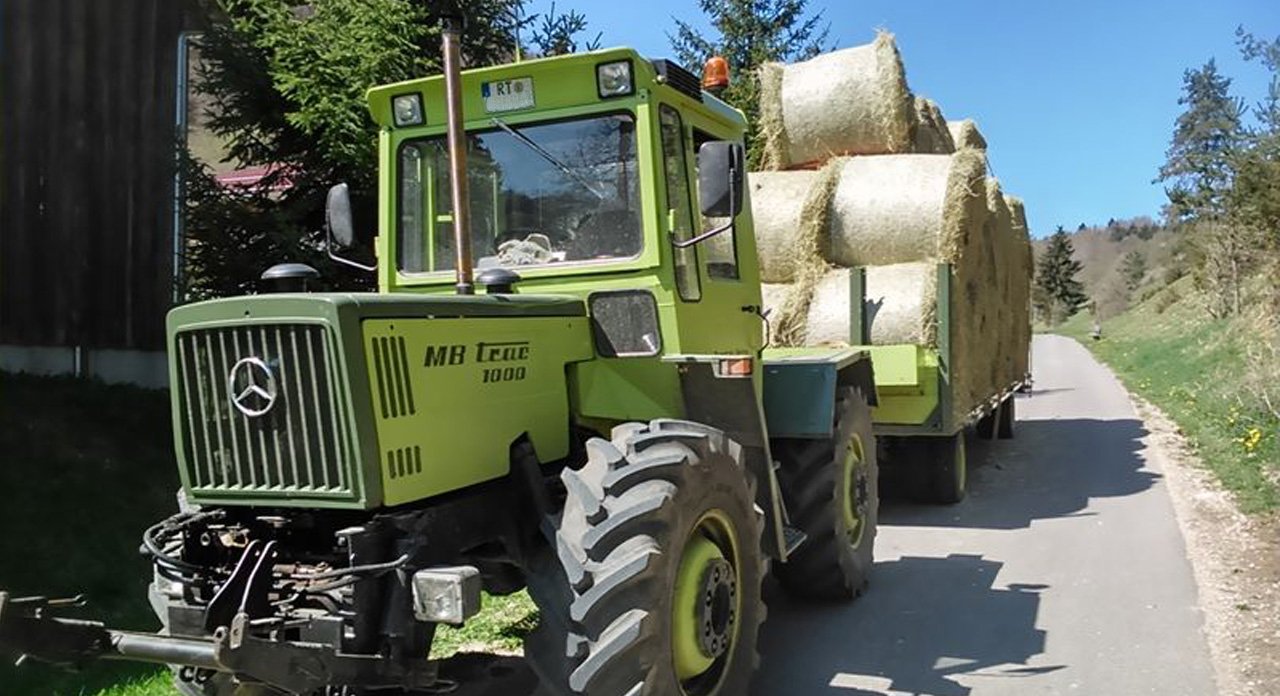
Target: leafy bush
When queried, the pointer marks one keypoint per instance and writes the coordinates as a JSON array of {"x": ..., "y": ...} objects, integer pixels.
[{"x": 1167, "y": 299}]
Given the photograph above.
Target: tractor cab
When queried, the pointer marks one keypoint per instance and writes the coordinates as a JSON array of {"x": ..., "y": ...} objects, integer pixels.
[{"x": 596, "y": 175}]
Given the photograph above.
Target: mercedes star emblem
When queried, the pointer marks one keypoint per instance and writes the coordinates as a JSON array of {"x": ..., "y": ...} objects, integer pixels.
[{"x": 252, "y": 387}]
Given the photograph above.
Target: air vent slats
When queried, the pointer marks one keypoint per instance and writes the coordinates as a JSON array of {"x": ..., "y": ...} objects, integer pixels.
[
  {"x": 394, "y": 383},
  {"x": 405, "y": 461},
  {"x": 678, "y": 78}
]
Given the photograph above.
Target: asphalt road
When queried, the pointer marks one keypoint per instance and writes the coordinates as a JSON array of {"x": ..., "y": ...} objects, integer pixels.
[{"x": 1063, "y": 572}]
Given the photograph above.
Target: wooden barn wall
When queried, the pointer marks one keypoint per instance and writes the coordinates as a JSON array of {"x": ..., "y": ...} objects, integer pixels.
[{"x": 87, "y": 135}]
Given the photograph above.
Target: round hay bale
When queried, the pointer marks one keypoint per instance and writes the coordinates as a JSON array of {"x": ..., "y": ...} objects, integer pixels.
[
  {"x": 807, "y": 260},
  {"x": 777, "y": 199},
  {"x": 999, "y": 230},
  {"x": 772, "y": 130},
  {"x": 772, "y": 298},
  {"x": 903, "y": 208},
  {"x": 900, "y": 306},
  {"x": 930, "y": 134},
  {"x": 851, "y": 101},
  {"x": 1020, "y": 278},
  {"x": 966, "y": 134},
  {"x": 974, "y": 294}
]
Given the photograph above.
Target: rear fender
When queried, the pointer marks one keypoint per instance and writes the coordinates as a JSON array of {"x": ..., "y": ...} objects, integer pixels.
[{"x": 800, "y": 386}]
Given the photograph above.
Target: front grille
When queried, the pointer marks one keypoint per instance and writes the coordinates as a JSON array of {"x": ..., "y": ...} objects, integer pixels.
[{"x": 299, "y": 443}]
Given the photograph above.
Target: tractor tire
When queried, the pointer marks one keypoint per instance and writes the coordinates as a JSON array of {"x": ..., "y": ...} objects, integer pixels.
[
  {"x": 1008, "y": 416},
  {"x": 659, "y": 546},
  {"x": 831, "y": 489}
]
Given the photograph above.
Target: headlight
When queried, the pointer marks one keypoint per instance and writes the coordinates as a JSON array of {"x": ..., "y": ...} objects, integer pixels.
[
  {"x": 614, "y": 79},
  {"x": 406, "y": 109}
]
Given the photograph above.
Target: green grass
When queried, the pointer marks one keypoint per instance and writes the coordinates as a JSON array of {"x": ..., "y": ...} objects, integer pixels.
[
  {"x": 1170, "y": 352},
  {"x": 86, "y": 468},
  {"x": 156, "y": 684},
  {"x": 500, "y": 627}
]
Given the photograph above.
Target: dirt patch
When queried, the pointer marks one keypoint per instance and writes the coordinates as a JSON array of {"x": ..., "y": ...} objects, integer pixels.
[{"x": 1236, "y": 559}]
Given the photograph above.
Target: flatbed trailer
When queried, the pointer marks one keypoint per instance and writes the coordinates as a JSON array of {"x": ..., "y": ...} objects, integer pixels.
[{"x": 922, "y": 435}]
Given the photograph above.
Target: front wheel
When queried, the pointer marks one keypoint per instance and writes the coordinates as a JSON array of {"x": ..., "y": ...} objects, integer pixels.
[{"x": 659, "y": 544}]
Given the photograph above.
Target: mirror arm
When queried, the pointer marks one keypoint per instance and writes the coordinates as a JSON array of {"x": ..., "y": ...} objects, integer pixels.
[
  {"x": 328, "y": 249},
  {"x": 349, "y": 262},
  {"x": 700, "y": 238},
  {"x": 711, "y": 233}
]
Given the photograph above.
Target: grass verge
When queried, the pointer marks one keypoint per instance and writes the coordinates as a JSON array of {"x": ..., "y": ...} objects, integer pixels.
[
  {"x": 499, "y": 628},
  {"x": 1170, "y": 352},
  {"x": 86, "y": 468}
]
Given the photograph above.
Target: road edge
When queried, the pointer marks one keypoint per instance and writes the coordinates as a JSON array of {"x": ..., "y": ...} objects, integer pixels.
[{"x": 1237, "y": 573}]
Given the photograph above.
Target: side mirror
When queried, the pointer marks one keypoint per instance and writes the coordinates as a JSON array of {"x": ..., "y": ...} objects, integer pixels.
[
  {"x": 341, "y": 229},
  {"x": 337, "y": 214},
  {"x": 721, "y": 170}
]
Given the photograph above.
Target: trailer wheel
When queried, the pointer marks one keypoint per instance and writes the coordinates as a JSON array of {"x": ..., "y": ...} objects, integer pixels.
[
  {"x": 659, "y": 544},
  {"x": 1008, "y": 416},
  {"x": 986, "y": 426},
  {"x": 948, "y": 473},
  {"x": 831, "y": 488}
]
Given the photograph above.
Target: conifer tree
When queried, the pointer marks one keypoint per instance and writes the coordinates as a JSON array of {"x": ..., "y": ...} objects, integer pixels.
[
  {"x": 749, "y": 33},
  {"x": 1059, "y": 294},
  {"x": 286, "y": 82},
  {"x": 1207, "y": 134},
  {"x": 1133, "y": 268}
]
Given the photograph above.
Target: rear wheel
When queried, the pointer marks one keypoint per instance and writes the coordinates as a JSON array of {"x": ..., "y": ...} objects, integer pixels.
[
  {"x": 659, "y": 545},
  {"x": 830, "y": 487},
  {"x": 985, "y": 428}
]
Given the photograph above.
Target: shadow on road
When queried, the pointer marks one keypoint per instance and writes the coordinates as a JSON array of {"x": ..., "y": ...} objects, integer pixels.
[
  {"x": 922, "y": 622},
  {"x": 1053, "y": 468}
]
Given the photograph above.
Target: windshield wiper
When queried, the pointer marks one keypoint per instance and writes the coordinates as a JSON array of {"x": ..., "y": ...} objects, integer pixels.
[{"x": 547, "y": 156}]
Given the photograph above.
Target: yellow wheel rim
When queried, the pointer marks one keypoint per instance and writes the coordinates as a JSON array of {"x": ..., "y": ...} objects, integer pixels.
[{"x": 705, "y": 602}]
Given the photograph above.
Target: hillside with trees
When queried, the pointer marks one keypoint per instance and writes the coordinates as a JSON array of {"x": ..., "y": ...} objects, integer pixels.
[
  {"x": 1190, "y": 308},
  {"x": 1110, "y": 253}
]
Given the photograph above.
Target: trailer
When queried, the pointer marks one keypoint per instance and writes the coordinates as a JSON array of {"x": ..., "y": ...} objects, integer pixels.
[{"x": 922, "y": 437}]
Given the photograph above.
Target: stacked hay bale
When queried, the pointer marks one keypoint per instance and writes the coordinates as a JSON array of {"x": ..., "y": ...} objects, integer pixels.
[
  {"x": 864, "y": 175},
  {"x": 853, "y": 101},
  {"x": 930, "y": 130},
  {"x": 1020, "y": 276},
  {"x": 966, "y": 134}
]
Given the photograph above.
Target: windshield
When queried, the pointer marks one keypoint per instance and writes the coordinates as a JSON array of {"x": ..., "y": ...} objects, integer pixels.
[{"x": 543, "y": 194}]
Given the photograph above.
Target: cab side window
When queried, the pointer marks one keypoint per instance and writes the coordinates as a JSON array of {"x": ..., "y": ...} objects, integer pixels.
[
  {"x": 721, "y": 251},
  {"x": 676, "y": 173}
]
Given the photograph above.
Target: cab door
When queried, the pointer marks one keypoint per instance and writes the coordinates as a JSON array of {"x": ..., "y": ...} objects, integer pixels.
[{"x": 717, "y": 281}]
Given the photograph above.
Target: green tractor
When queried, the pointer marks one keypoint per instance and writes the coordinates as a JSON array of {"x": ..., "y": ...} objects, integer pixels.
[{"x": 563, "y": 384}]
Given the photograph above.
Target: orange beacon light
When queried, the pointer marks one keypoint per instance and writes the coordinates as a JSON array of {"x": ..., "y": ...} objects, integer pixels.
[{"x": 715, "y": 74}]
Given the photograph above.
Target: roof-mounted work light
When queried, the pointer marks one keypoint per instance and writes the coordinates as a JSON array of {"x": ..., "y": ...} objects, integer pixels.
[
  {"x": 614, "y": 79},
  {"x": 406, "y": 109}
]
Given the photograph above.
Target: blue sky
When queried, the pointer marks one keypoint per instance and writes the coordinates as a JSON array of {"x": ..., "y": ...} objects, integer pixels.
[{"x": 1077, "y": 99}]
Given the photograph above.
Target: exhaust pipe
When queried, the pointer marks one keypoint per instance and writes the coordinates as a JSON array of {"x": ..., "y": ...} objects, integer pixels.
[{"x": 451, "y": 29}]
